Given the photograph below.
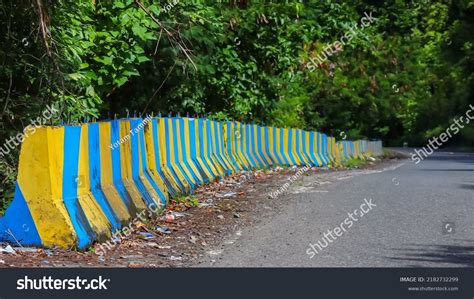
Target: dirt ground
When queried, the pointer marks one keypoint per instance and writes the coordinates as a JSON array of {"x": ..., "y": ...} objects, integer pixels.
[{"x": 224, "y": 208}]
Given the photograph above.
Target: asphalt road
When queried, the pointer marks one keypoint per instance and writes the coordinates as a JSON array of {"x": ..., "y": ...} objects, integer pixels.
[{"x": 424, "y": 217}]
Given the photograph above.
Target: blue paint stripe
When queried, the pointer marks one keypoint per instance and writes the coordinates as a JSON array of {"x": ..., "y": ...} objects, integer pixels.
[
  {"x": 313, "y": 146},
  {"x": 290, "y": 147},
  {"x": 193, "y": 140},
  {"x": 276, "y": 141},
  {"x": 282, "y": 147},
  {"x": 210, "y": 150},
  {"x": 203, "y": 154},
  {"x": 325, "y": 147},
  {"x": 82, "y": 227},
  {"x": 229, "y": 146},
  {"x": 168, "y": 156},
  {"x": 320, "y": 148},
  {"x": 248, "y": 164},
  {"x": 253, "y": 137},
  {"x": 220, "y": 147},
  {"x": 117, "y": 169},
  {"x": 176, "y": 149},
  {"x": 94, "y": 175},
  {"x": 156, "y": 137},
  {"x": 305, "y": 148},
  {"x": 249, "y": 142},
  {"x": 186, "y": 161},
  {"x": 267, "y": 146},
  {"x": 218, "y": 151},
  {"x": 260, "y": 146},
  {"x": 146, "y": 170},
  {"x": 134, "y": 147},
  {"x": 299, "y": 150},
  {"x": 17, "y": 224}
]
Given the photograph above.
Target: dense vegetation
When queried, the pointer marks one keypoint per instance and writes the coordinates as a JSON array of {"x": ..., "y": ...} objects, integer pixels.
[{"x": 402, "y": 78}]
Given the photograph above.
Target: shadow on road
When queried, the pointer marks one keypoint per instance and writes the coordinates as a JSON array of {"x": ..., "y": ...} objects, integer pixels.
[
  {"x": 468, "y": 186},
  {"x": 435, "y": 255},
  {"x": 461, "y": 158},
  {"x": 447, "y": 169}
]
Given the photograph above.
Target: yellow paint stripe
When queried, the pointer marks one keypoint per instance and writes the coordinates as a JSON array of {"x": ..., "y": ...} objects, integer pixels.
[
  {"x": 210, "y": 161},
  {"x": 151, "y": 162},
  {"x": 148, "y": 187},
  {"x": 181, "y": 157},
  {"x": 302, "y": 149},
  {"x": 126, "y": 166},
  {"x": 163, "y": 155},
  {"x": 234, "y": 141},
  {"x": 221, "y": 150},
  {"x": 293, "y": 147},
  {"x": 173, "y": 157},
  {"x": 255, "y": 144},
  {"x": 264, "y": 146},
  {"x": 210, "y": 173},
  {"x": 213, "y": 137},
  {"x": 278, "y": 145},
  {"x": 250, "y": 142},
  {"x": 41, "y": 162},
  {"x": 106, "y": 178},
  {"x": 286, "y": 145},
  {"x": 87, "y": 201},
  {"x": 187, "y": 152},
  {"x": 307, "y": 148},
  {"x": 271, "y": 147},
  {"x": 240, "y": 141}
]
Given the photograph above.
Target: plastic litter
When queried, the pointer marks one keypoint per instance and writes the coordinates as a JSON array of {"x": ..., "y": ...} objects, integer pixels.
[
  {"x": 26, "y": 249},
  {"x": 7, "y": 249},
  {"x": 163, "y": 229},
  {"x": 146, "y": 235},
  {"x": 175, "y": 258},
  {"x": 171, "y": 217},
  {"x": 226, "y": 195}
]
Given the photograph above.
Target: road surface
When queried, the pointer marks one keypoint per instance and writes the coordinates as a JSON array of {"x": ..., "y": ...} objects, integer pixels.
[{"x": 423, "y": 217}]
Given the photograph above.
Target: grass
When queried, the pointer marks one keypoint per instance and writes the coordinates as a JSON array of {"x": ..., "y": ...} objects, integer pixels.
[
  {"x": 190, "y": 200},
  {"x": 354, "y": 163}
]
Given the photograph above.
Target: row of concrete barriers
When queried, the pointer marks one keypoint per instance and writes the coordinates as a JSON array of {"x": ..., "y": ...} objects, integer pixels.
[{"x": 79, "y": 184}]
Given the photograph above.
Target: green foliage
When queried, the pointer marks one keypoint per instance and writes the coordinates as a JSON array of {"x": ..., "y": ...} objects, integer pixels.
[
  {"x": 189, "y": 200},
  {"x": 403, "y": 78},
  {"x": 354, "y": 163}
]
